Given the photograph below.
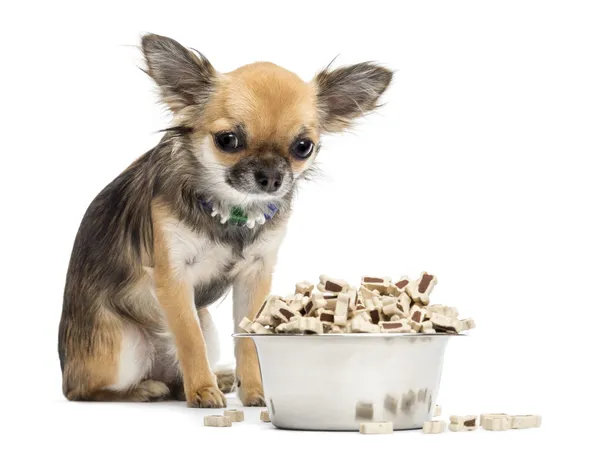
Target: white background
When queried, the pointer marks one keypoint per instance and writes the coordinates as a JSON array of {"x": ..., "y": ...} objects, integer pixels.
[{"x": 482, "y": 168}]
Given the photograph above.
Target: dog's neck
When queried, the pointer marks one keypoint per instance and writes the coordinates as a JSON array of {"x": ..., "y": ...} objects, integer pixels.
[{"x": 249, "y": 216}]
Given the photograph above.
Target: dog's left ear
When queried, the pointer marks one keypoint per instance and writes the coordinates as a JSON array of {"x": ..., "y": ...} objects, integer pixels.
[
  {"x": 184, "y": 78},
  {"x": 346, "y": 93}
]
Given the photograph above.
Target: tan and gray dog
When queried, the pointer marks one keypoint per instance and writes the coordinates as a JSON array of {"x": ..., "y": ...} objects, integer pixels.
[{"x": 203, "y": 211}]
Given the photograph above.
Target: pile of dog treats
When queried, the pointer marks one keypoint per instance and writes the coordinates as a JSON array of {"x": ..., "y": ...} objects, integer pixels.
[{"x": 378, "y": 305}]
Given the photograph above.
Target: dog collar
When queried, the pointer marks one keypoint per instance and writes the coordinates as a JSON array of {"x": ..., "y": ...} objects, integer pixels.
[{"x": 236, "y": 215}]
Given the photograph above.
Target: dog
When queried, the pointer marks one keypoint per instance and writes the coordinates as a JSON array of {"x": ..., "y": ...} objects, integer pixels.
[{"x": 203, "y": 212}]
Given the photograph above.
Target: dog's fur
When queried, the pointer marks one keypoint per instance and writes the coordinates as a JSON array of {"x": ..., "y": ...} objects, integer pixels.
[{"x": 148, "y": 259}]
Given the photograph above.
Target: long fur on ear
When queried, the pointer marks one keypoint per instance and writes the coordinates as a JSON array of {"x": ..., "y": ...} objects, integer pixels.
[
  {"x": 184, "y": 78},
  {"x": 349, "y": 92}
]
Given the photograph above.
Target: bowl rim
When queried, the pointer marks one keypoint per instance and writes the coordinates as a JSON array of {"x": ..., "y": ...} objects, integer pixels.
[{"x": 352, "y": 335}]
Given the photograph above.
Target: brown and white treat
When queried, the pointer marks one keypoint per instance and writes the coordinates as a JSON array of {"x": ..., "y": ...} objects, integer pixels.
[
  {"x": 385, "y": 427},
  {"x": 395, "y": 326},
  {"x": 217, "y": 421},
  {"x": 434, "y": 427},
  {"x": 404, "y": 303},
  {"x": 237, "y": 416},
  {"x": 297, "y": 302},
  {"x": 525, "y": 421},
  {"x": 420, "y": 289},
  {"x": 495, "y": 422},
  {"x": 304, "y": 288},
  {"x": 329, "y": 284},
  {"x": 401, "y": 284},
  {"x": 283, "y": 312},
  {"x": 264, "y": 416},
  {"x": 316, "y": 302},
  {"x": 445, "y": 324},
  {"x": 463, "y": 423},
  {"x": 361, "y": 325},
  {"x": 380, "y": 284},
  {"x": 325, "y": 316},
  {"x": 341, "y": 309},
  {"x": 392, "y": 309},
  {"x": 245, "y": 324},
  {"x": 352, "y": 298}
]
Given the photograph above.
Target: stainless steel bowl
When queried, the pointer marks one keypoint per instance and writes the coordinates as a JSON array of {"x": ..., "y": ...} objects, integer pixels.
[{"x": 334, "y": 382}]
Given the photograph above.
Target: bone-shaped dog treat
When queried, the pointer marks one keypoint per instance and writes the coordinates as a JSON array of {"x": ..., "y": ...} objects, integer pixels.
[
  {"x": 332, "y": 285},
  {"x": 217, "y": 421},
  {"x": 296, "y": 301},
  {"x": 401, "y": 284},
  {"x": 352, "y": 298},
  {"x": 404, "y": 302},
  {"x": 237, "y": 416},
  {"x": 258, "y": 328},
  {"x": 467, "y": 324},
  {"x": 386, "y": 427},
  {"x": 315, "y": 303},
  {"x": 495, "y": 422},
  {"x": 395, "y": 326},
  {"x": 361, "y": 325},
  {"x": 526, "y": 421},
  {"x": 280, "y": 310},
  {"x": 325, "y": 316},
  {"x": 380, "y": 284},
  {"x": 310, "y": 326},
  {"x": 437, "y": 411},
  {"x": 304, "y": 288},
  {"x": 263, "y": 316},
  {"x": 445, "y": 324},
  {"x": 434, "y": 427},
  {"x": 463, "y": 423},
  {"x": 341, "y": 309},
  {"x": 245, "y": 324},
  {"x": 421, "y": 288}
]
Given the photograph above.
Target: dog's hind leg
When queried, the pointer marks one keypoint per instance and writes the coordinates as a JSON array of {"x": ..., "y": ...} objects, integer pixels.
[{"x": 109, "y": 362}]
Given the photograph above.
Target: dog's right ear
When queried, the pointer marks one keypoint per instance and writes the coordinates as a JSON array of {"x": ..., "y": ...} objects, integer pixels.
[{"x": 184, "y": 78}]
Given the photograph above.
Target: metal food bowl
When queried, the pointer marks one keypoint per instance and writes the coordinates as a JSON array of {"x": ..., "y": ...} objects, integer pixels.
[{"x": 334, "y": 382}]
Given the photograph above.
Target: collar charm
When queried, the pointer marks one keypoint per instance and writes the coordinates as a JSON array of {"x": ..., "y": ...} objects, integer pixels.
[{"x": 236, "y": 215}]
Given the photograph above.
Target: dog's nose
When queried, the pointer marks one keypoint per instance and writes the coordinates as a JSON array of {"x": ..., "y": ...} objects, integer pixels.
[{"x": 268, "y": 180}]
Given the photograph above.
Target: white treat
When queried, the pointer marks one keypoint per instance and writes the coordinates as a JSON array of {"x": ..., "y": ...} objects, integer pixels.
[
  {"x": 526, "y": 421},
  {"x": 217, "y": 421},
  {"x": 245, "y": 324},
  {"x": 434, "y": 427},
  {"x": 305, "y": 288},
  {"x": 283, "y": 312},
  {"x": 310, "y": 325},
  {"x": 258, "y": 328},
  {"x": 386, "y": 427},
  {"x": 495, "y": 422},
  {"x": 437, "y": 411},
  {"x": 341, "y": 309},
  {"x": 236, "y": 416}
]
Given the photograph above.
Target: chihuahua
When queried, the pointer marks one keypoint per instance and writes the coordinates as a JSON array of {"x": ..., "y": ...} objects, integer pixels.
[{"x": 203, "y": 212}]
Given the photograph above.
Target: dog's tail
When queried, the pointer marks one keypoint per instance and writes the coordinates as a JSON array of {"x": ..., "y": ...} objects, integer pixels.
[{"x": 226, "y": 378}]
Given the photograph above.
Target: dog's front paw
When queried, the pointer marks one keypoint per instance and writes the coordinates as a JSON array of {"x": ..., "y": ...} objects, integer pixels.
[
  {"x": 251, "y": 396},
  {"x": 210, "y": 397}
]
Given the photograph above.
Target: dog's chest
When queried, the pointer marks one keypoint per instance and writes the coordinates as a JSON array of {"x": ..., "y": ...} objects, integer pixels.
[{"x": 202, "y": 262}]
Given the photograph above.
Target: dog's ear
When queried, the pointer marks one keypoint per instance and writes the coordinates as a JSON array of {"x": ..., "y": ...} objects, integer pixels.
[
  {"x": 184, "y": 78},
  {"x": 348, "y": 92}
]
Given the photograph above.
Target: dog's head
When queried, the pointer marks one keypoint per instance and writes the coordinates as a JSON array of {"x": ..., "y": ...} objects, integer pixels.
[{"x": 257, "y": 129}]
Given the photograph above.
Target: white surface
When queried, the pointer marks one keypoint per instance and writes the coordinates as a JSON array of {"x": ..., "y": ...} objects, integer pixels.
[{"x": 482, "y": 169}]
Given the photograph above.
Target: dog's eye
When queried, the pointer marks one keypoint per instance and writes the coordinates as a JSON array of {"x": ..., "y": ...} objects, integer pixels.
[
  {"x": 302, "y": 148},
  {"x": 228, "y": 142}
]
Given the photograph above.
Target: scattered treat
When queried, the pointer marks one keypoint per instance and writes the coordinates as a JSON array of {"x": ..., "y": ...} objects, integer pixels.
[
  {"x": 464, "y": 423},
  {"x": 434, "y": 427},
  {"x": 327, "y": 284},
  {"x": 437, "y": 411},
  {"x": 376, "y": 428},
  {"x": 304, "y": 288},
  {"x": 525, "y": 421},
  {"x": 378, "y": 305},
  {"x": 364, "y": 410},
  {"x": 236, "y": 416},
  {"x": 495, "y": 422},
  {"x": 217, "y": 421},
  {"x": 264, "y": 416},
  {"x": 421, "y": 288}
]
